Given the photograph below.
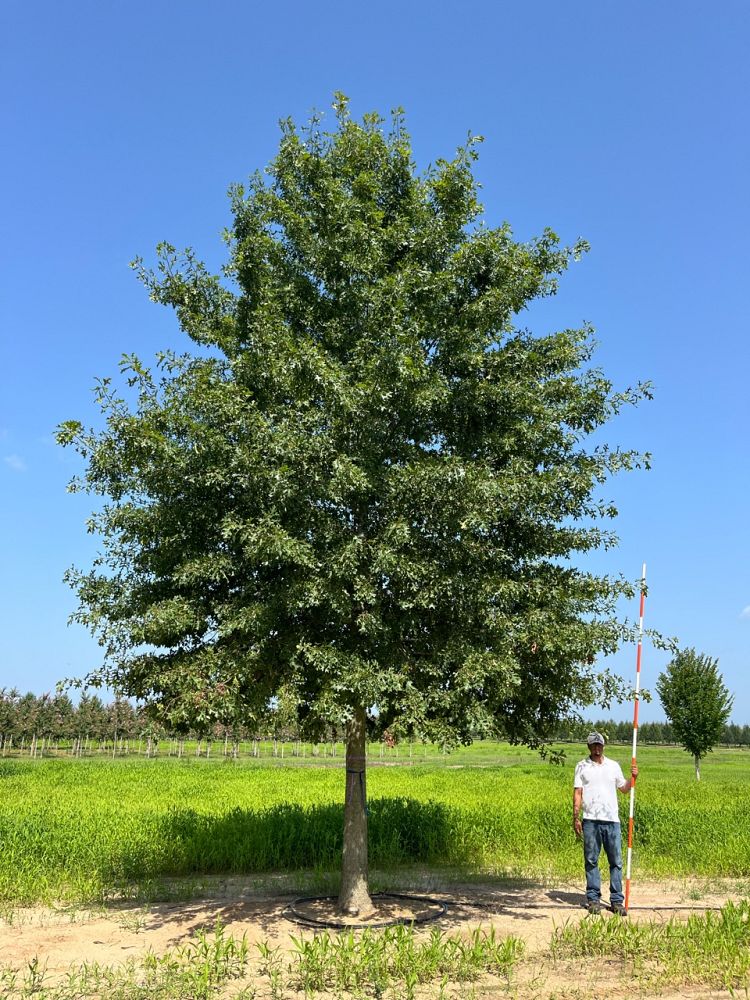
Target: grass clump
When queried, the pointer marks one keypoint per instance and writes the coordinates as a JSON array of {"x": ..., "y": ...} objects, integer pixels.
[
  {"x": 202, "y": 969},
  {"x": 398, "y": 961},
  {"x": 710, "y": 949}
]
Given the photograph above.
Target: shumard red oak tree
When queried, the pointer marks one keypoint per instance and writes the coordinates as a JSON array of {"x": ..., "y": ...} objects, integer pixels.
[{"x": 362, "y": 495}]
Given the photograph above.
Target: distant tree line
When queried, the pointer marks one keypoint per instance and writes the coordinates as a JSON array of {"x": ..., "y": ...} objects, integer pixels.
[
  {"x": 57, "y": 719},
  {"x": 732, "y": 733}
]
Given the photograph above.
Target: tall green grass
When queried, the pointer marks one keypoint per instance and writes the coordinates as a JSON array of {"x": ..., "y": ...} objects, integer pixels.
[{"x": 85, "y": 829}]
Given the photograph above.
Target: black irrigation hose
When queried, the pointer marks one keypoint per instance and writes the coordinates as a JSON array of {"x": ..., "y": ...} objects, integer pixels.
[{"x": 440, "y": 910}]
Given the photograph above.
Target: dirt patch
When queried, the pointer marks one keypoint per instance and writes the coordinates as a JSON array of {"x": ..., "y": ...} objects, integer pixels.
[{"x": 110, "y": 936}]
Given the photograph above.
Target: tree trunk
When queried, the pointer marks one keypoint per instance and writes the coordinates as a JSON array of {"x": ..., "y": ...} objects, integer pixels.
[
  {"x": 697, "y": 768},
  {"x": 354, "y": 897}
]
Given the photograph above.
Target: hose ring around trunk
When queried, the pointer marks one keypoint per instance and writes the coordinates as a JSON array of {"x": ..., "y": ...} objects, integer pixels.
[{"x": 440, "y": 909}]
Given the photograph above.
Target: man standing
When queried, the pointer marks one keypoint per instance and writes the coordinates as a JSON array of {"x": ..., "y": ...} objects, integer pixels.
[{"x": 595, "y": 818}]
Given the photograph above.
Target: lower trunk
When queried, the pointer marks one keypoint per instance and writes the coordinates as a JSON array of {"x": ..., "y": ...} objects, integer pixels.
[
  {"x": 354, "y": 897},
  {"x": 697, "y": 768}
]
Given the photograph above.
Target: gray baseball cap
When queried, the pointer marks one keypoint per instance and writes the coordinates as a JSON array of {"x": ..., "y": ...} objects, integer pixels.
[{"x": 595, "y": 738}]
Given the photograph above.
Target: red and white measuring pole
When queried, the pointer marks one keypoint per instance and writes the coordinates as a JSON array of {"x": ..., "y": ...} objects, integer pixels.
[{"x": 635, "y": 734}]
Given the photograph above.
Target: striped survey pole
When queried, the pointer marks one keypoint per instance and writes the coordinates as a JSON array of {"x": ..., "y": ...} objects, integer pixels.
[{"x": 635, "y": 734}]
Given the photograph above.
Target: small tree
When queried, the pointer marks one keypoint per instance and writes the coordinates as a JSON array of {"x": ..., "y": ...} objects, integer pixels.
[
  {"x": 28, "y": 709},
  {"x": 8, "y": 715},
  {"x": 364, "y": 494},
  {"x": 121, "y": 720},
  {"x": 695, "y": 701},
  {"x": 62, "y": 718},
  {"x": 91, "y": 717}
]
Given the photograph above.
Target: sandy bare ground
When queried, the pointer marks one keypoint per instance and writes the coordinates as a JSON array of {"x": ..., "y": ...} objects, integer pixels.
[{"x": 64, "y": 938}]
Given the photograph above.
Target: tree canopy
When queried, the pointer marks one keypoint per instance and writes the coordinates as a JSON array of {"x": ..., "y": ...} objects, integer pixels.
[
  {"x": 696, "y": 702},
  {"x": 366, "y": 487}
]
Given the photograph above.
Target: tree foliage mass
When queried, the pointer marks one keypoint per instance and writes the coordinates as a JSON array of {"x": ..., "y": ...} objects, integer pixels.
[{"x": 366, "y": 484}]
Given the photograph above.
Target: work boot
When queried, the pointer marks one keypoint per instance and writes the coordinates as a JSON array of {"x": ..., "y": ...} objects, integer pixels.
[
  {"x": 619, "y": 910},
  {"x": 594, "y": 906}
]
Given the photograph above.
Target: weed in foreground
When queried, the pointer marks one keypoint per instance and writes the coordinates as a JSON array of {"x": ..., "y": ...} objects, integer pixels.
[
  {"x": 398, "y": 960},
  {"x": 711, "y": 949},
  {"x": 199, "y": 970},
  {"x": 201, "y": 966}
]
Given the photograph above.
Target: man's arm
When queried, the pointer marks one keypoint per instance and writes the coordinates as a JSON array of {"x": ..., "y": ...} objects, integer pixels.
[
  {"x": 629, "y": 784},
  {"x": 577, "y": 803}
]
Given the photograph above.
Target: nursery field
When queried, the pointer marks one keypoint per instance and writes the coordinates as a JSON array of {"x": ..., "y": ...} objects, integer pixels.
[{"x": 88, "y": 830}]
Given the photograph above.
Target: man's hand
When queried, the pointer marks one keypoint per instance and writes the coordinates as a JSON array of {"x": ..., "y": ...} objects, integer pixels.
[
  {"x": 634, "y": 771},
  {"x": 577, "y": 827}
]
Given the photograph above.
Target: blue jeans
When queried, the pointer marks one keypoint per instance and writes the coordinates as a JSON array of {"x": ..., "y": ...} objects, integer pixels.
[{"x": 597, "y": 835}]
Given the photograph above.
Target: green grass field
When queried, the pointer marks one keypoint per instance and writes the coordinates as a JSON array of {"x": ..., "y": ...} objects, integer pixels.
[{"x": 85, "y": 829}]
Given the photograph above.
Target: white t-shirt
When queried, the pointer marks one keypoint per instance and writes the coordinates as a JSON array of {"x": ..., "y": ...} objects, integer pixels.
[{"x": 599, "y": 783}]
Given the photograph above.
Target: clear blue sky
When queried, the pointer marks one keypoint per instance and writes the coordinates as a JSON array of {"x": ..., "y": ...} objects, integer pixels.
[{"x": 124, "y": 124}]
